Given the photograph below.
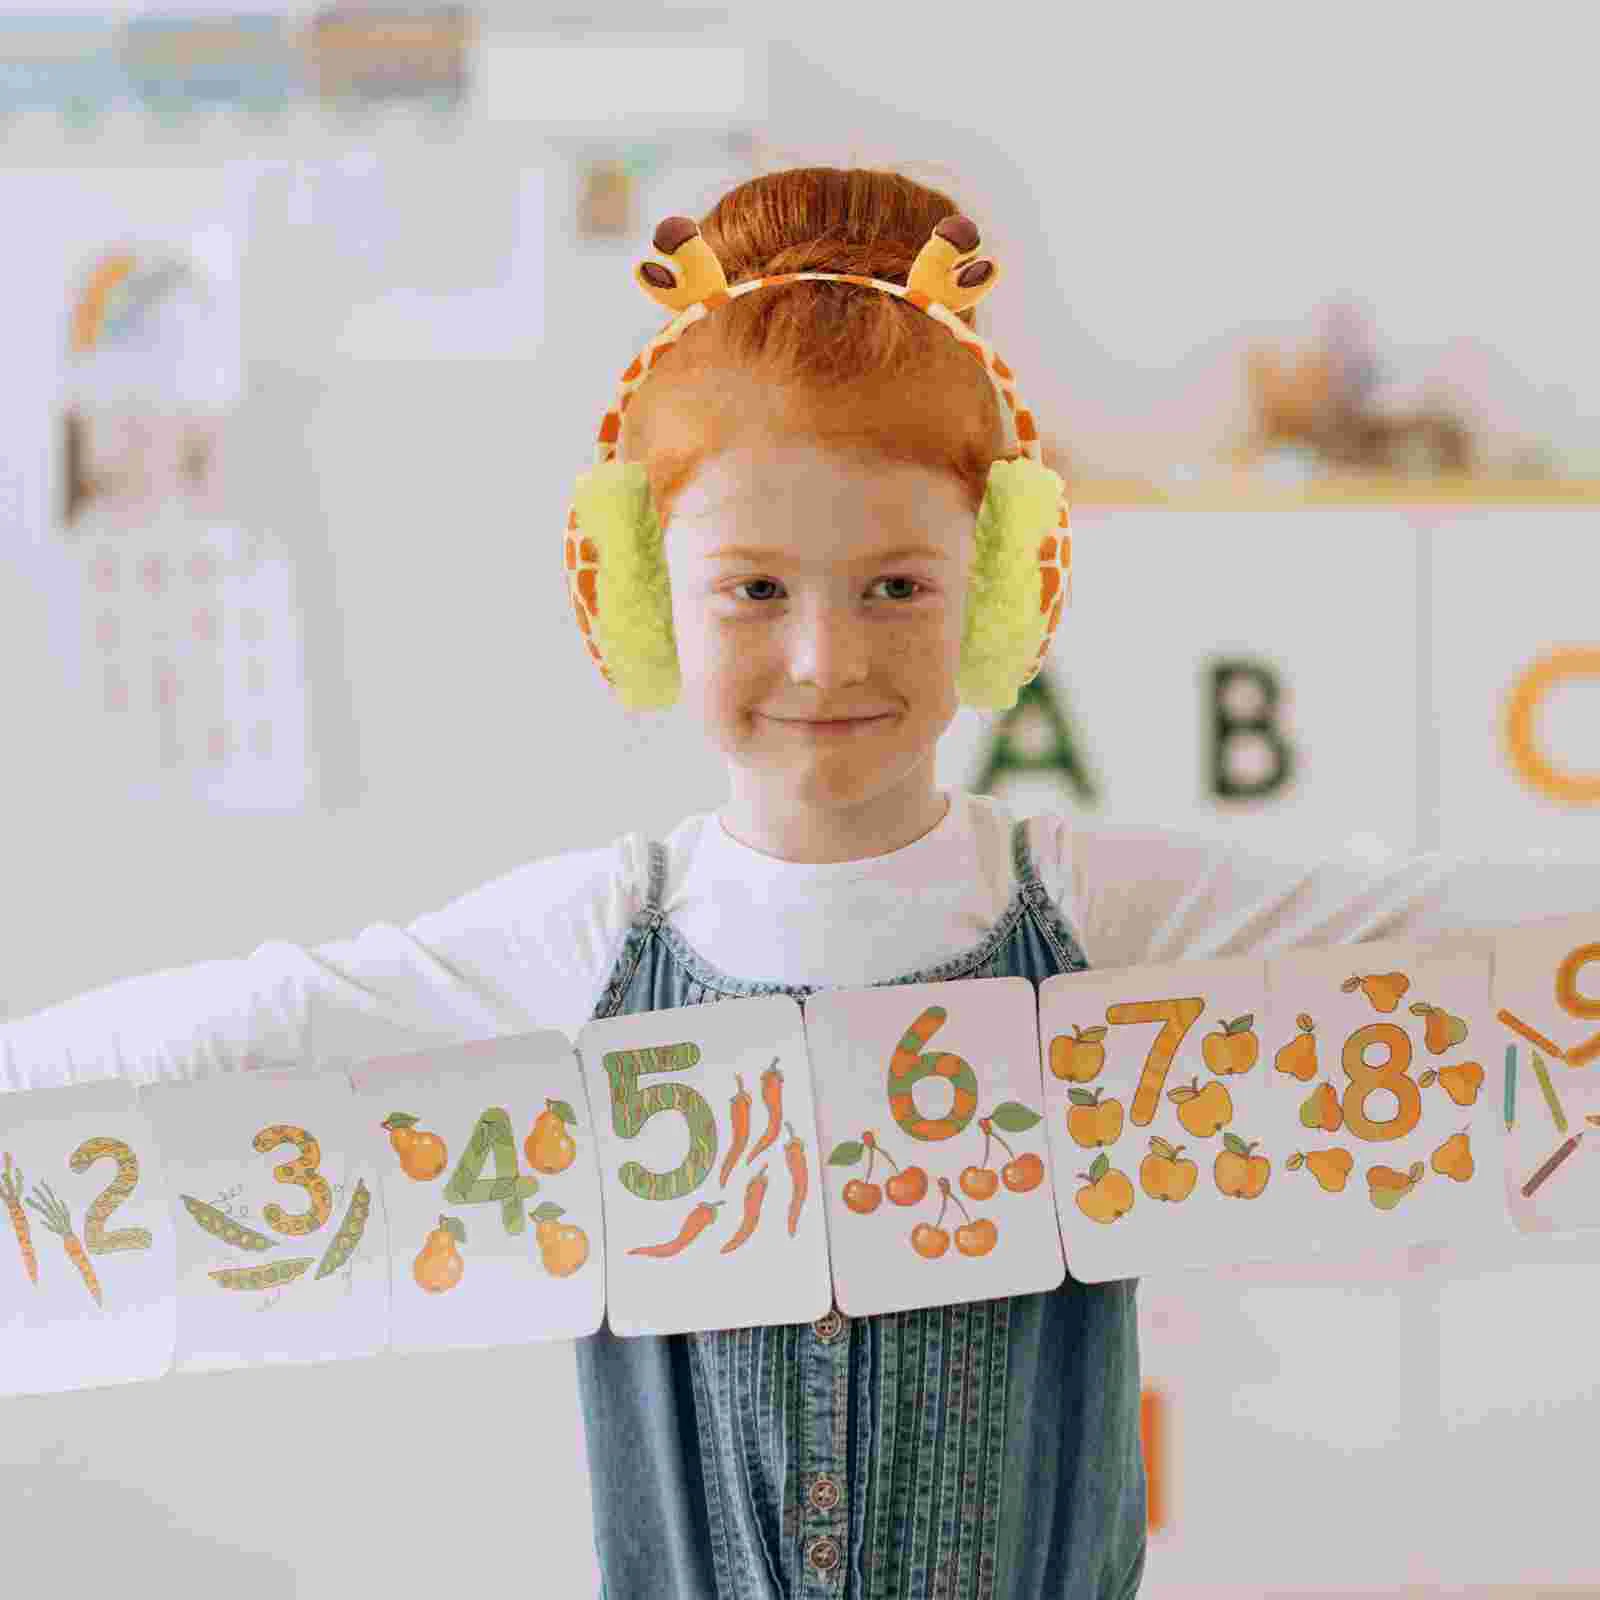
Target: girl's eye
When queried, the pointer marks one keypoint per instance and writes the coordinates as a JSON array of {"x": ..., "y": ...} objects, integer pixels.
[{"x": 752, "y": 583}]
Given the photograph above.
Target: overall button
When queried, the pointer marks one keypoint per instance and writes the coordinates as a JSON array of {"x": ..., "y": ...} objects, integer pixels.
[
  {"x": 827, "y": 1327},
  {"x": 825, "y": 1493},
  {"x": 823, "y": 1554}
]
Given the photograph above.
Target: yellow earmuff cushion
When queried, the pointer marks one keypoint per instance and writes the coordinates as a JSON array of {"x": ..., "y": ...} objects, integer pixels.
[
  {"x": 633, "y": 630},
  {"x": 1004, "y": 624}
]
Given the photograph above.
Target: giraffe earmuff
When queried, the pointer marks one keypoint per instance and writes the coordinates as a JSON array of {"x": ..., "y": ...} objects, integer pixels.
[{"x": 1021, "y": 577}]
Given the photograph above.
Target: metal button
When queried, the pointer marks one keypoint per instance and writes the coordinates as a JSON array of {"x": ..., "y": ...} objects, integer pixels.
[
  {"x": 823, "y": 1554},
  {"x": 824, "y": 1493},
  {"x": 827, "y": 1327}
]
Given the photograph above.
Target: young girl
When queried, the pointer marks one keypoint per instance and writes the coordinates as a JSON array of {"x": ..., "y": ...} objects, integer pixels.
[{"x": 841, "y": 442}]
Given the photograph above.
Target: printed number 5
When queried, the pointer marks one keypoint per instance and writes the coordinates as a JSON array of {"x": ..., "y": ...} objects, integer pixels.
[{"x": 632, "y": 1107}]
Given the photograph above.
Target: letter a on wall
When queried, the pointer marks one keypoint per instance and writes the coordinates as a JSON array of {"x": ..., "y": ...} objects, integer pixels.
[{"x": 1017, "y": 747}]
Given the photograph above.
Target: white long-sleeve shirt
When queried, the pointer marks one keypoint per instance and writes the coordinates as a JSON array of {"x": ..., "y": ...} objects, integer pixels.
[{"x": 533, "y": 948}]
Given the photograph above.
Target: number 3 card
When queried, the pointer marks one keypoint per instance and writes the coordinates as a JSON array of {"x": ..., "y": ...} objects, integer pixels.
[
  {"x": 935, "y": 1164},
  {"x": 276, "y": 1260},
  {"x": 486, "y": 1160},
  {"x": 708, "y": 1157}
]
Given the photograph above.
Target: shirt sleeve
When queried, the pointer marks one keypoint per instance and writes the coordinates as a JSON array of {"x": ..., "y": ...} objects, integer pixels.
[
  {"x": 526, "y": 951},
  {"x": 1142, "y": 896}
]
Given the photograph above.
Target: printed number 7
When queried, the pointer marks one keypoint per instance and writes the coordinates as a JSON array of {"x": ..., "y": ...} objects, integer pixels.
[
  {"x": 632, "y": 1107},
  {"x": 1179, "y": 1017}
]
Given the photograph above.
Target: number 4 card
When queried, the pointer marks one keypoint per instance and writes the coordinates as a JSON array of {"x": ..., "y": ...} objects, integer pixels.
[
  {"x": 708, "y": 1156},
  {"x": 491, "y": 1190}
]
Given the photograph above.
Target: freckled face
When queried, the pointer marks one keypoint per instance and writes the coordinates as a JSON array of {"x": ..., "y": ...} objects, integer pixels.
[{"x": 838, "y": 619}]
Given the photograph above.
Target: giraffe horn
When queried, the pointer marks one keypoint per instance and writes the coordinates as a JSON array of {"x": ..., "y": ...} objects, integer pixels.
[
  {"x": 695, "y": 273},
  {"x": 948, "y": 268}
]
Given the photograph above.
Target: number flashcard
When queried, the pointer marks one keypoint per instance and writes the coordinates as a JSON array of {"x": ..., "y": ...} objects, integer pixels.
[
  {"x": 280, "y": 1256},
  {"x": 1546, "y": 1008},
  {"x": 935, "y": 1165},
  {"x": 486, "y": 1163},
  {"x": 1153, "y": 1090},
  {"x": 709, "y": 1162},
  {"x": 1385, "y": 1129},
  {"x": 87, "y": 1253}
]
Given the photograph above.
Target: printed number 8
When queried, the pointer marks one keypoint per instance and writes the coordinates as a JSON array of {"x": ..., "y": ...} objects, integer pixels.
[{"x": 632, "y": 1107}]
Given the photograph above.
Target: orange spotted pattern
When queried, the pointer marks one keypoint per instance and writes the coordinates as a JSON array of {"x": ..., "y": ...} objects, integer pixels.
[{"x": 1055, "y": 550}]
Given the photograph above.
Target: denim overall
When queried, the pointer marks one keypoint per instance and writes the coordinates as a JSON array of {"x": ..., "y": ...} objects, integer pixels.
[{"x": 986, "y": 1451}]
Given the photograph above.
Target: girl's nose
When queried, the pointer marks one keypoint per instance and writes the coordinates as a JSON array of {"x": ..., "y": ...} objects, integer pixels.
[{"x": 828, "y": 645}]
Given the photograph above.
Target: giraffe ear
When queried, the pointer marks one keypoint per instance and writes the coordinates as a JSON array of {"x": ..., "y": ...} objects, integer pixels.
[
  {"x": 695, "y": 273},
  {"x": 949, "y": 269}
]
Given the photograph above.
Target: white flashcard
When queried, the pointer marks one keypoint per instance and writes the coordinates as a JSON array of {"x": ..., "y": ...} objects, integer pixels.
[
  {"x": 1154, "y": 1095},
  {"x": 936, "y": 1169},
  {"x": 709, "y": 1162},
  {"x": 280, "y": 1253},
  {"x": 1385, "y": 1131},
  {"x": 487, "y": 1163},
  {"x": 1546, "y": 1071},
  {"x": 87, "y": 1259}
]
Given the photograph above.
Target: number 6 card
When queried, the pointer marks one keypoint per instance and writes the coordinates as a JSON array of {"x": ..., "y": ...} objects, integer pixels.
[
  {"x": 708, "y": 1157},
  {"x": 937, "y": 1178}
]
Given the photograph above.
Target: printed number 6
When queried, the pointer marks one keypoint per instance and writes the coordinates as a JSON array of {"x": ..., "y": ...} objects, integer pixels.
[{"x": 632, "y": 1107}]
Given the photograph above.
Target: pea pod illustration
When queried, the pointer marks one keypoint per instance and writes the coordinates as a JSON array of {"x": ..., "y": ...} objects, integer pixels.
[
  {"x": 350, "y": 1231},
  {"x": 225, "y": 1228},
  {"x": 267, "y": 1277}
]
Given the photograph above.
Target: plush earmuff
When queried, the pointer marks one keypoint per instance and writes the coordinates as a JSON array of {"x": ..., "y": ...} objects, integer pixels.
[{"x": 616, "y": 566}]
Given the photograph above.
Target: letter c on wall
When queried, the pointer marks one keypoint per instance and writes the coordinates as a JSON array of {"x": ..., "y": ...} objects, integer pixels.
[{"x": 1522, "y": 705}]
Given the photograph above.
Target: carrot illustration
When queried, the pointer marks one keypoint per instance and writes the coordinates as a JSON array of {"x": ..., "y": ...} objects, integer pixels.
[
  {"x": 694, "y": 1225},
  {"x": 772, "y": 1099},
  {"x": 11, "y": 1189},
  {"x": 755, "y": 1192},
  {"x": 57, "y": 1220},
  {"x": 740, "y": 1107},
  {"x": 795, "y": 1153}
]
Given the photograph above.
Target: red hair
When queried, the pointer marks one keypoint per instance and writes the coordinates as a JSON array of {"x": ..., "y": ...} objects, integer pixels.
[{"x": 835, "y": 364}]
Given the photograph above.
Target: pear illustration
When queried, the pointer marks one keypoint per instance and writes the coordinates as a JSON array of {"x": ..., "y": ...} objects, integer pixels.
[
  {"x": 1443, "y": 1032},
  {"x": 438, "y": 1266},
  {"x": 1299, "y": 1057},
  {"x": 1454, "y": 1158},
  {"x": 1386, "y": 1187},
  {"x": 1461, "y": 1082},
  {"x": 550, "y": 1148},
  {"x": 1321, "y": 1109},
  {"x": 1331, "y": 1168},
  {"x": 1384, "y": 989}
]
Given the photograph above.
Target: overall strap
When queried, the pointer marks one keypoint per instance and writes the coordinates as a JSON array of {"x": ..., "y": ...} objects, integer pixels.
[
  {"x": 1027, "y": 875},
  {"x": 657, "y": 853}
]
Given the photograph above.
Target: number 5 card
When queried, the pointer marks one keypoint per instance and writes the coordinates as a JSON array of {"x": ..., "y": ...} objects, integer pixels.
[
  {"x": 936, "y": 1171},
  {"x": 708, "y": 1156}
]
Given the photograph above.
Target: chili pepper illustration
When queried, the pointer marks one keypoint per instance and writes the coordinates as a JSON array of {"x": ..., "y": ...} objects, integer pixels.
[
  {"x": 772, "y": 1099},
  {"x": 755, "y": 1192},
  {"x": 740, "y": 1106},
  {"x": 795, "y": 1153},
  {"x": 694, "y": 1225}
]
